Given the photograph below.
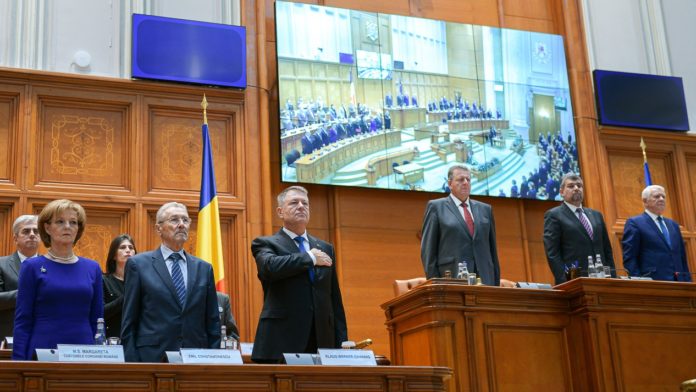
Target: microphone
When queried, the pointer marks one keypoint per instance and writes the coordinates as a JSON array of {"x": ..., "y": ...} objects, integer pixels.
[{"x": 363, "y": 343}]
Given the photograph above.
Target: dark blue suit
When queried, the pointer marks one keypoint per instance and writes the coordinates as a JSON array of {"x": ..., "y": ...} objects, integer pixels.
[
  {"x": 646, "y": 252},
  {"x": 153, "y": 319}
]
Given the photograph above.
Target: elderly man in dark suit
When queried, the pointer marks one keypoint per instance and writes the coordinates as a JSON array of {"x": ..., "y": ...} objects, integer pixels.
[
  {"x": 652, "y": 244},
  {"x": 573, "y": 232},
  {"x": 456, "y": 229},
  {"x": 26, "y": 237},
  {"x": 302, "y": 308},
  {"x": 169, "y": 300}
]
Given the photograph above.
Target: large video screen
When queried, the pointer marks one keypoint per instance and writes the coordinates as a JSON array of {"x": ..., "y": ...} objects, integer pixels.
[{"x": 391, "y": 102}]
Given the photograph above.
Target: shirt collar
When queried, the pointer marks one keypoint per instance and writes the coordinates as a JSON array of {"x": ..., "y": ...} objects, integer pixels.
[
  {"x": 653, "y": 216},
  {"x": 293, "y": 235},
  {"x": 573, "y": 207},
  {"x": 22, "y": 257},
  {"x": 166, "y": 252},
  {"x": 459, "y": 202}
]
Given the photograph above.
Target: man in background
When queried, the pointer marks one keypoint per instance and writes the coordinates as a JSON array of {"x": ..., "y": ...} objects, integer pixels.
[
  {"x": 573, "y": 232},
  {"x": 652, "y": 244},
  {"x": 302, "y": 307},
  {"x": 456, "y": 229},
  {"x": 25, "y": 233}
]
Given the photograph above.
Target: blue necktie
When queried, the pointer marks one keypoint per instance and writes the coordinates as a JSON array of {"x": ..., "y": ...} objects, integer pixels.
[
  {"x": 300, "y": 242},
  {"x": 178, "y": 278},
  {"x": 665, "y": 232}
]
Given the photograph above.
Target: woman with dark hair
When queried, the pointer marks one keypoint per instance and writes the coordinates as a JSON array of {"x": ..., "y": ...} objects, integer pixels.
[
  {"x": 59, "y": 296},
  {"x": 121, "y": 248}
]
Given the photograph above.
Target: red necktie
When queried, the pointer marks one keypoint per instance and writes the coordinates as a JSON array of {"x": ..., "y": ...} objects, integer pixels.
[{"x": 469, "y": 219}]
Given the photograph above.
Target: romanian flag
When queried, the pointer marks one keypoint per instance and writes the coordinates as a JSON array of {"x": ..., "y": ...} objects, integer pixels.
[
  {"x": 646, "y": 169},
  {"x": 208, "y": 233}
]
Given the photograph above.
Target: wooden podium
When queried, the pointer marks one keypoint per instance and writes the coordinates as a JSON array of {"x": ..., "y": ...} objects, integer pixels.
[
  {"x": 48, "y": 376},
  {"x": 585, "y": 335}
]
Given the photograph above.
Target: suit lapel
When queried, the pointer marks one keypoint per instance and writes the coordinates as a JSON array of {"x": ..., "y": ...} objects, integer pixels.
[
  {"x": 455, "y": 210},
  {"x": 160, "y": 267},
  {"x": 192, "y": 277},
  {"x": 286, "y": 242},
  {"x": 15, "y": 263},
  {"x": 656, "y": 230},
  {"x": 573, "y": 217}
]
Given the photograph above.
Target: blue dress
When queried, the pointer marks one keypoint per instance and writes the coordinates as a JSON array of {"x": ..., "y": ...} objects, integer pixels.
[{"x": 56, "y": 304}]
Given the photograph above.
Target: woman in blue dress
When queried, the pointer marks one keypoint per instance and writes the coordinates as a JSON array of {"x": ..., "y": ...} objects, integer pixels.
[{"x": 59, "y": 296}]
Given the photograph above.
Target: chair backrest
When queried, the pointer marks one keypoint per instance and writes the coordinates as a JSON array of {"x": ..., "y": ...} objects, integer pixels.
[{"x": 404, "y": 286}]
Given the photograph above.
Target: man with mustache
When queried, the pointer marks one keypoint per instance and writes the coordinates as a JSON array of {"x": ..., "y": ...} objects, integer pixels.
[
  {"x": 302, "y": 307},
  {"x": 26, "y": 237},
  {"x": 652, "y": 244},
  {"x": 573, "y": 232},
  {"x": 169, "y": 299}
]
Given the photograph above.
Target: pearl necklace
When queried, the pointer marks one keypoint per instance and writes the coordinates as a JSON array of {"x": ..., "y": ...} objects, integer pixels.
[{"x": 65, "y": 260}]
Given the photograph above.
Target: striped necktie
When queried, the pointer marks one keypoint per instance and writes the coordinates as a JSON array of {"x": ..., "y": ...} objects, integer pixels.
[
  {"x": 585, "y": 222},
  {"x": 178, "y": 278}
]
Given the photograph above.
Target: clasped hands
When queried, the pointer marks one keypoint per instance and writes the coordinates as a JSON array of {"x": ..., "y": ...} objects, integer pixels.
[{"x": 322, "y": 259}]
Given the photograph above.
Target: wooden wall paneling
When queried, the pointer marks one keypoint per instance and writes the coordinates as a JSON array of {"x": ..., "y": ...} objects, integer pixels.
[
  {"x": 481, "y": 12},
  {"x": 81, "y": 140},
  {"x": 536, "y": 15},
  {"x": 399, "y": 7},
  {"x": 9, "y": 211},
  {"x": 626, "y": 171},
  {"x": 534, "y": 227},
  {"x": 11, "y": 126},
  {"x": 175, "y": 148}
]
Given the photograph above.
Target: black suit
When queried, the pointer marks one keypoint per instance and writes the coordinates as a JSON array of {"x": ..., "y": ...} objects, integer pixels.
[
  {"x": 9, "y": 274},
  {"x": 226, "y": 316},
  {"x": 153, "y": 319},
  {"x": 292, "y": 302},
  {"x": 567, "y": 241}
]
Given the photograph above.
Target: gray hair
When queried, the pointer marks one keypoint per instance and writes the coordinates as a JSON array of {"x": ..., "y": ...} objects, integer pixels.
[
  {"x": 23, "y": 220},
  {"x": 571, "y": 177},
  {"x": 450, "y": 172},
  {"x": 160, "y": 213},
  {"x": 296, "y": 188},
  {"x": 649, "y": 189}
]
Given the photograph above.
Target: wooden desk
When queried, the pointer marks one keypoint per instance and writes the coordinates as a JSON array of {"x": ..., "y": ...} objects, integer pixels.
[
  {"x": 50, "y": 376},
  {"x": 410, "y": 172},
  {"x": 457, "y": 126},
  {"x": 437, "y": 116},
  {"x": 406, "y": 117},
  {"x": 318, "y": 165},
  {"x": 423, "y": 131},
  {"x": 382, "y": 166},
  {"x": 585, "y": 335}
]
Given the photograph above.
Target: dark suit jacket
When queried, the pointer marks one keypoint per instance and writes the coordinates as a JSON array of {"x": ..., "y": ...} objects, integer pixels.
[
  {"x": 9, "y": 274},
  {"x": 646, "y": 253},
  {"x": 226, "y": 316},
  {"x": 446, "y": 241},
  {"x": 292, "y": 302},
  {"x": 154, "y": 321},
  {"x": 567, "y": 241}
]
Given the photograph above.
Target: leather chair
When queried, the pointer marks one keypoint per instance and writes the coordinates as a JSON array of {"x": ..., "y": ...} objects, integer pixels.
[{"x": 404, "y": 286}]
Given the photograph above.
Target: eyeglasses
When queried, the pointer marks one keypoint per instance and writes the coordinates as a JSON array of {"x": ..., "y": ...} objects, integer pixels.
[{"x": 175, "y": 220}]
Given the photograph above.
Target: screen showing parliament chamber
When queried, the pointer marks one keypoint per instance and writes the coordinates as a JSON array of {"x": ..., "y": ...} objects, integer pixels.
[{"x": 391, "y": 102}]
